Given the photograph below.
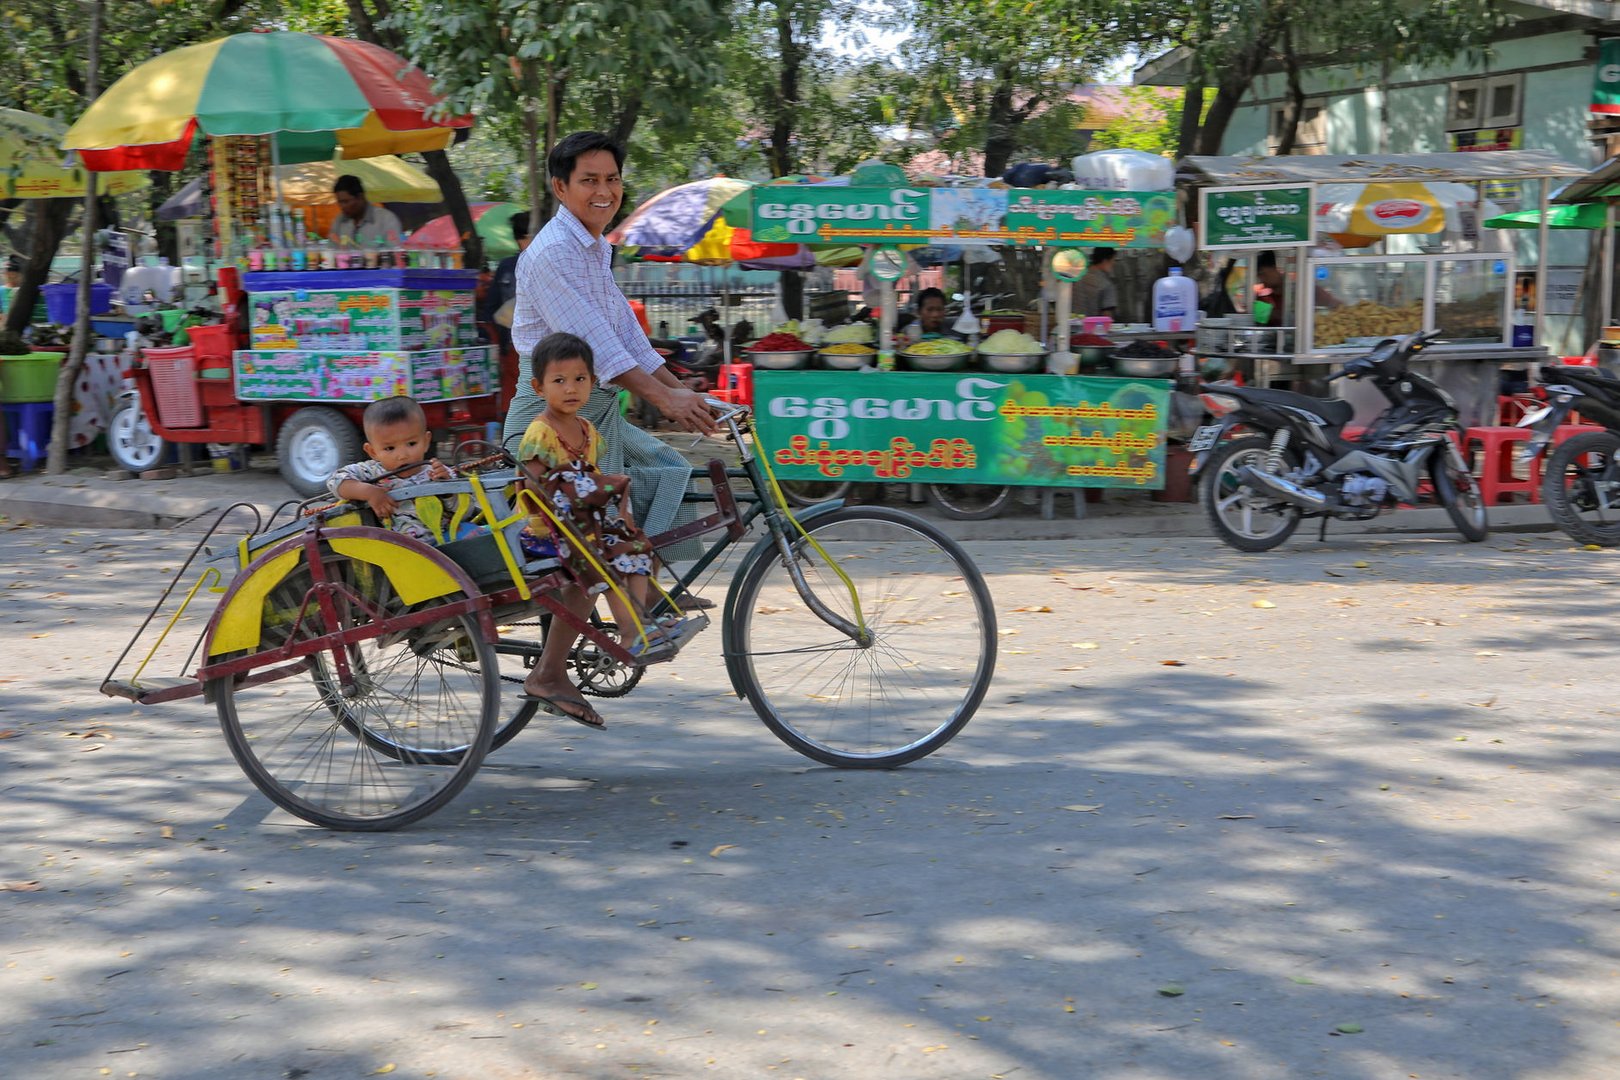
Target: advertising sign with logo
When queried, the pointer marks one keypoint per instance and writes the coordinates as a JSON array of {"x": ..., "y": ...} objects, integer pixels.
[
  {"x": 964, "y": 428},
  {"x": 1396, "y": 208},
  {"x": 1256, "y": 217},
  {"x": 1606, "y": 80},
  {"x": 1492, "y": 139},
  {"x": 828, "y": 214},
  {"x": 308, "y": 375}
]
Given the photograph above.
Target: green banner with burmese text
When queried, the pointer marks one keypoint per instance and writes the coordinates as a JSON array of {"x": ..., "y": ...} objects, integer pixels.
[{"x": 963, "y": 428}]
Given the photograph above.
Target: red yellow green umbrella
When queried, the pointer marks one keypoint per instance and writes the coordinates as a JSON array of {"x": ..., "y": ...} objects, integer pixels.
[{"x": 318, "y": 95}]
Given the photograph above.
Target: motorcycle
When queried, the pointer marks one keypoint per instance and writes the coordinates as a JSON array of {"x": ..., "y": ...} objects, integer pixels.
[
  {"x": 1581, "y": 482},
  {"x": 1289, "y": 459}
]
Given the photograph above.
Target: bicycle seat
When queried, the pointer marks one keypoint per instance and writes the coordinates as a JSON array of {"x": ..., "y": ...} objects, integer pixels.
[{"x": 1335, "y": 411}]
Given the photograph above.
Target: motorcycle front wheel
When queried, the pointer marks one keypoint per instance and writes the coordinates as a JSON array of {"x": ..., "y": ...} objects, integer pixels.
[
  {"x": 1581, "y": 487},
  {"x": 1456, "y": 489},
  {"x": 1241, "y": 516}
]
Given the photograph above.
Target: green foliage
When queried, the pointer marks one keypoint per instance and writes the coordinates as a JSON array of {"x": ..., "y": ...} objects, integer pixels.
[
  {"x": 46, "y": 71},
  {"x": 1148, "y": 122}
]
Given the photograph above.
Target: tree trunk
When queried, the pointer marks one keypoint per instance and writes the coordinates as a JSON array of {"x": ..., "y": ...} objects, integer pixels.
[
  {"x": 1192, "y": 114},
  {"x": 1294, "y": 104},
  {"x": 629, "y": 114},
  {"x": 68, "y": 377},
  {"x": 168, "y": 238},
  {"x": 47, "y": 224},
  {"x": 455, "y": 200},
  {"x": 787, "y": 93},
  {"x": 1237, "y": 76}
]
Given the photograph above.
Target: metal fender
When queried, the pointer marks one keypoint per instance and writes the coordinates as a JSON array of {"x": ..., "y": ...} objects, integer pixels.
[
  {"x": 764, "y": 548},
  {"x": 416, "y": 571}
]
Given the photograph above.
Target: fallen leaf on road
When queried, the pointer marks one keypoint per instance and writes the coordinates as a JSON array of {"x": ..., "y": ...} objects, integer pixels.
[
  {"x": 1083, "y": 808},
  {"x": 20, "y": 886},
  {"x": 384, "y": 1069},
  {"x": 1083, "y": 644},
  {"x": 1360, "y": 564},
  {"x": 9, "y": 733},
  {"x": 1263, "y": 604},
  {"x": 1173, "y": 663},
  {"x": 714, "y": 853},
  {"x": 1171, "y": 990},
  {"x": 1039, "y": 607},
  {"x": 1236, "y": 817},
  {"x": 1348, "y": 1029}
]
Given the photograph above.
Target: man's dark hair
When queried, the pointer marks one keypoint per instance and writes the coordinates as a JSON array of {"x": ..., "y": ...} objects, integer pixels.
[
  {"x": 927, "y": 294},
  {"x": 557, "y": 347},
  {"x": 520, "y": 224},
  {"x": 390, "y": 411},
  {"x": 349, "y": 184},
  {"x": 560, "y": 162},
  {"x": 1265, "y": 259},
  {"x": 1101, "y": 255}
]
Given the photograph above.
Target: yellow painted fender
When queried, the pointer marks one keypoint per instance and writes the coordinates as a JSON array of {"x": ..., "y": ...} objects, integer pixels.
[{"x": 416, "y": 571}]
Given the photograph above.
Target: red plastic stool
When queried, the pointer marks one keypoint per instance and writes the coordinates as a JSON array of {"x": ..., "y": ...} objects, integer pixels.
[
  {"x": 1498, "y": 446},
  {"x": 738, "y": 379}
]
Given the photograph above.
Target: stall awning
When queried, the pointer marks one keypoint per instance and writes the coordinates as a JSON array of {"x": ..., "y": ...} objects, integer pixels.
[
  {"x": 1602, "y": 182},
  {"x": 1358, "y": 168}
]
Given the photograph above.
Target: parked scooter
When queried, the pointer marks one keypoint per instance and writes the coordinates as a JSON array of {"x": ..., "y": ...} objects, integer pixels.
[
  {"x": 1581, "y": 483},
  {"x": 1290, "y": 459}
]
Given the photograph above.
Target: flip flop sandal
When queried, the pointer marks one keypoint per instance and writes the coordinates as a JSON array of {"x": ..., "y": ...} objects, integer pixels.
[{"x": 554, "y": 706}]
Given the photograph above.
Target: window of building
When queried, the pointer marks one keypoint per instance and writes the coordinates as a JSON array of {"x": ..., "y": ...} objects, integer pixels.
[
  {"x": 1311, "y": 138},
  {"x": 1491, "y": 102}
]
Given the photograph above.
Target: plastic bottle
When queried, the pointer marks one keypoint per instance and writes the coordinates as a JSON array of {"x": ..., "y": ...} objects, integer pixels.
[
  {"x": 1524, "y": 329},
  {"x": 1175, "y": 302}
]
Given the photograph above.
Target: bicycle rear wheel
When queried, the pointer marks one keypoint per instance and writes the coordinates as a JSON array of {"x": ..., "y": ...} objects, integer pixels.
[
  {"x": 397, "y": 744},
  {"x": 881, "y": 705}
]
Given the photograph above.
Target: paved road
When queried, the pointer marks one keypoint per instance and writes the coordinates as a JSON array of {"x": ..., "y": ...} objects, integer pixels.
[{"x": 1363, "y": 827}]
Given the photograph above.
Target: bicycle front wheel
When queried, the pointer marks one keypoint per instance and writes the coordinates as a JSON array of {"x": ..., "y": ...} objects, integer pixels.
[{"x": 879, "y": 705}]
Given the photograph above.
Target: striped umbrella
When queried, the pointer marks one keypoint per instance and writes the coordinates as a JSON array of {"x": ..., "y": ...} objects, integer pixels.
[
  {"x": 318, "y": 95},
  {"x": 680, "y": 218}
]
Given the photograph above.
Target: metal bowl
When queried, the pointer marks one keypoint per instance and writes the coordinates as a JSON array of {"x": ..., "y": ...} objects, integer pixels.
[
  {"x": 1013, "y": 363},
  {"x": 936, "y": 361},
  {"x": 1093, "y": 357},
  {"x": 846, "y": 361},
  {"x": 1144, "y": 367},
  {"x": 780, "y": 361}
]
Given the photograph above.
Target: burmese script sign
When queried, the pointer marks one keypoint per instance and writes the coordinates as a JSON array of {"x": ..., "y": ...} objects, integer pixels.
[
  {"x": 829, "y": 214},
  {"x": 963, "y": 428},
  {"x": 1256, "y": 216}
]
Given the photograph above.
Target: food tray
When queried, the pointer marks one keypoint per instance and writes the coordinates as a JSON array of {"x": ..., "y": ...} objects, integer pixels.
[
  {"x": 780, "y": 361},
  {"x": 1013, "y": 363}
]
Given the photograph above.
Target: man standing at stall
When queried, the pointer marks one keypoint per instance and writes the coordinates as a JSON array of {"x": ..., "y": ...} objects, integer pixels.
[
  {"x": 565, "y": 282},
  {"x": 1095, "y": 294},
  {"x": 362, "y": 223}
]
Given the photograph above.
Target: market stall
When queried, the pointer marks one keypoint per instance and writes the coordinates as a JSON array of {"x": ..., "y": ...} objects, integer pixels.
[
  {"x": 313, "y": 330},
  {"x": 967, "y": 421},
  {"x": 1372, "y": 246}
]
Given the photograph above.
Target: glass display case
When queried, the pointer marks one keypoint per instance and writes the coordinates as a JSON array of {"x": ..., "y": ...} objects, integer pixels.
[
  {"x": 1470, "y": 300},
  {"x": 1358, "y": 300}
]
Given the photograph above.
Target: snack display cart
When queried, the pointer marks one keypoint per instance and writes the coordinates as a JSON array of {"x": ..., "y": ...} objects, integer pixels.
[
  {"x": 1379, "y": 245},
  {"x": 974, "y": 425},
  {"x": 313, "y": 331}
]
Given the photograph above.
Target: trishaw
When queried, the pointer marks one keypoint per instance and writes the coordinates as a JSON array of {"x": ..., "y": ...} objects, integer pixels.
[{"x": 361, "y": 676}]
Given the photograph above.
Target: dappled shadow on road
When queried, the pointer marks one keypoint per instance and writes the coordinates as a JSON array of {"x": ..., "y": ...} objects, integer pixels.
[{"x": 1288, "y": 856}]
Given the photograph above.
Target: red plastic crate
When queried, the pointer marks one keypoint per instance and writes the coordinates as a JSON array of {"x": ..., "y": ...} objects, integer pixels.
[{"x": 174, "y": 386}]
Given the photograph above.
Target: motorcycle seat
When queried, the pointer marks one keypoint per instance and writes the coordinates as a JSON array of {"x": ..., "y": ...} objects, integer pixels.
[
  {"x": 1582, "y": 375},
  {"x": 1335, "y": 411}
]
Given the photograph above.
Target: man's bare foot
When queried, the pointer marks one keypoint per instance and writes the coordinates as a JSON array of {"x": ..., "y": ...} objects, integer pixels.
[{"x": 563, "y": 699}]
